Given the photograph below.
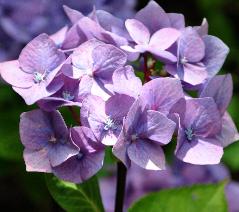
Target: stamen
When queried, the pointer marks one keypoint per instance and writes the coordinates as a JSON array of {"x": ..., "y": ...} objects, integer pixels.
[
  {"x": 110, "y": 124},
  {"x": 134, "y": 137},
  {"x": 38, "y": 77},
  {"x": 189, "y": 133},
  {"x": 52, "y": 139},
  {"x": 79, "y": 155},
  {"x": 183, "y": 60},
  {"x": 67, "y": 96}
]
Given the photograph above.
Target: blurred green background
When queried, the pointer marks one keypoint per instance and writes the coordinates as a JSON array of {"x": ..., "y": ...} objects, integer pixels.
[{"x": 22, "y": 191}]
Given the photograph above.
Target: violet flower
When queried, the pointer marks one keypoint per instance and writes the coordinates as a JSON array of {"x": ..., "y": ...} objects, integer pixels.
[
  {"x": 88, "y": 160},
  {"x": 199, "y": 125},
  {"x": 143, "y": 133},
  {"x": 46, "y": 140},
  {"x": 157, "y": 43},
  {"x": 198, "y": 57},
  {"x": 70, "y": 94},
  {"x": 105, "y": 118},
  {"x": 37, "y": 66},
  {"x": 94, "y": 63}
]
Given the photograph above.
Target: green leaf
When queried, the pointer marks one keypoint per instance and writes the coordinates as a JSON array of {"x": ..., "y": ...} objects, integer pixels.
[
  {"x": 71, "y": 197},
  {"x": 201, "y": 198},
  {"x": 230, "y": 157}
]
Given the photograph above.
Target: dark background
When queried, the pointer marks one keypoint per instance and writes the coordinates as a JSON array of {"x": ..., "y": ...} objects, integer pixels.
[{"x": 22, "y": 191}]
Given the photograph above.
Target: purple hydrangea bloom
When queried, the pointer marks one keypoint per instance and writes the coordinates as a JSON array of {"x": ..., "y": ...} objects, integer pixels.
[
  {"x": 220, "y": 89},
  {"x": 198, "y": 57},
  {"x": 143, "y": 133},
  {"x": 199, "y": 125},
  {"x": 88, "y": 160},
  {"x": 105, "y": 118},
  {"x": 157, "y": 44},
  {"x": 38, "y": 64},
  {"x": 46, "y": 140},
  {"x": 94, "y": 63}
]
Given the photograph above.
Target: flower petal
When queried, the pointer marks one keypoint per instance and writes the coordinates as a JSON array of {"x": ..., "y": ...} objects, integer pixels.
[
  {"x": 126, "y": 82},
  {"x": 161, "y": 94},
  {"x": 138, "y": 32},
  {"x": 200, "y": 151},
  {"x": 37, "y": 161},
  {"x": 164, "y": 38},
  {"x": 10, "y": 71},
  {"x": 215, "y": 54},
  {"x": 40, "y": 55},
  {"x": 147, "y": 155},
  {"x": 220, "y": 89},
  {"x": 191, "y": 46}
]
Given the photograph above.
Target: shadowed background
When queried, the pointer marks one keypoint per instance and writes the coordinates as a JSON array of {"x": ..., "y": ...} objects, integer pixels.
[{"x": 22, "y": 20}]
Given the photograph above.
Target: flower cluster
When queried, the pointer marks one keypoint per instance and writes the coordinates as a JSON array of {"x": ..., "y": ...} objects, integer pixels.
[{"x": 91, "y": 65}]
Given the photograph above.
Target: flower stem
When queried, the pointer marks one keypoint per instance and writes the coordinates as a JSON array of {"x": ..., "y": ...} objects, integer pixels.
[
  {"x": 74, "y": 114},
  {"x": 146, "y": 70},
  {"x": 120, "y": 187}
]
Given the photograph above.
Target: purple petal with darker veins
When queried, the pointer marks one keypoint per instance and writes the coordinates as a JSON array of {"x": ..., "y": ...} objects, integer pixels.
[
  {"x": 215, "y": 54},
  {"x": 37, "y": 160},
  {"x": 40, "y": 55},
  {"x": 107, "y": 59},
  {"x": 146, "y": 154},
  {"x": 220, "y": 89}
]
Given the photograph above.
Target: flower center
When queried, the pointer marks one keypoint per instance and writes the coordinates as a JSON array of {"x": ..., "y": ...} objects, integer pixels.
[
  {"x": 53, "y": 139},
  {"x": 183, "y": 60},
  {"x": 110, "y": 124},
  {"x": 189, "y": 133},
  {"x": 67, "y": 96},
  {"x": 38, "y": 77},
  {"x": 134, "y": 137},
  {"x": 79, "y": 155}
]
